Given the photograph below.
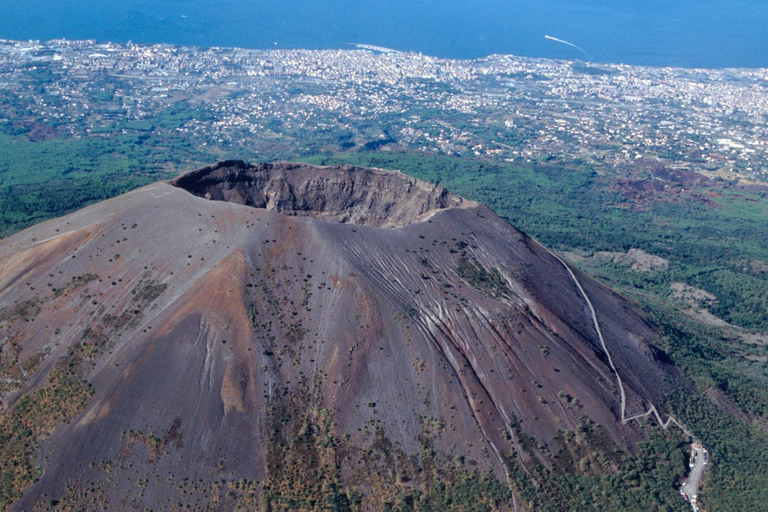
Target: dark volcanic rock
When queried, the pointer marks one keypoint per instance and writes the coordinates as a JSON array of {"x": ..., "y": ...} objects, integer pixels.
[
  {"x": 335, "y": 327},
  {"x": 340, "y": 194}
]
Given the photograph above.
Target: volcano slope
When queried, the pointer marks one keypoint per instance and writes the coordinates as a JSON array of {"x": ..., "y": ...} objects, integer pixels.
[{"x": 288, "y": 335}]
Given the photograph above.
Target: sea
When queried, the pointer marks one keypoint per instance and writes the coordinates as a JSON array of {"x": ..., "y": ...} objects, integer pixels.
[{"x": 683, "y": 33}]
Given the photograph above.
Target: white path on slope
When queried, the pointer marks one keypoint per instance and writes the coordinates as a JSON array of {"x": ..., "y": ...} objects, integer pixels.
[
  {"x": 593, "y": 313},
  {"x": 624, "y": 419}
]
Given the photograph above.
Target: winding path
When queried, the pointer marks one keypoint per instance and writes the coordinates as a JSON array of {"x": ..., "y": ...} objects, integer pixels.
[
  {"x": 691, "y": 484},
  {"x": 624, "y": 419}
]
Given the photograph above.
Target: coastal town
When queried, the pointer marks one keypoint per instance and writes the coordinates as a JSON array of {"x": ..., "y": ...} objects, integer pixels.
[{"x": 288, "y": 103}]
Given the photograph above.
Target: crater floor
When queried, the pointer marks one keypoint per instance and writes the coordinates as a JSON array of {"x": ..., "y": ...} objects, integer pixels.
[{"x": 340, "y": 194}]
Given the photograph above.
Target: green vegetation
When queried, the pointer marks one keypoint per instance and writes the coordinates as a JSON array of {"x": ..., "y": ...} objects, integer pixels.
[
  {"x": 42, "y": 179},
  {"x": 590, "y": 475},
  {"x": 719, "y": 245},
  {"x": 305, "y": 463},
  {"x": 45, "y": 179},
  {"x": 475, "y": 274},
  {"x": 738, "y": 471},
  {"x": 30, "y": 420}
]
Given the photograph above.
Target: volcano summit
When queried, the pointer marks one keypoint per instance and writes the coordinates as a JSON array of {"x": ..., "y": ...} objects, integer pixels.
[{"x": 284, "y": 335}]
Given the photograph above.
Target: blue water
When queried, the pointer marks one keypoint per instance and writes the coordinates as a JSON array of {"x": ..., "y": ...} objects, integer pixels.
[{"x": 689, "y": 33}]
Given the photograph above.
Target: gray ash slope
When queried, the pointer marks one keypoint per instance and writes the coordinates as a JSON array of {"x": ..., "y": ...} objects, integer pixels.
[{"x": 389, "y": 303}]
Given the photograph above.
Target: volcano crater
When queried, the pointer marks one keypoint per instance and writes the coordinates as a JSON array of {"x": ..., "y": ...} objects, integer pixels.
[{"x": 338, "y": 194}]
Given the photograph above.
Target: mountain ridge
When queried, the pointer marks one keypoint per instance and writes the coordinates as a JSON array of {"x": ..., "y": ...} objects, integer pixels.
[{"x": 201, "y": 323}]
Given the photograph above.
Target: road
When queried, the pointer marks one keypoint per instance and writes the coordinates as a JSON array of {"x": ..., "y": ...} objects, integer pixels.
[
  {"x": 622, "y": 395},
  {"x": 691, "y": 485}
]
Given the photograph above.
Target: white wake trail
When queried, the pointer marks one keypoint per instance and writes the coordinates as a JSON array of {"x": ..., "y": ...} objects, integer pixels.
[{"x": 582, "y": 50}]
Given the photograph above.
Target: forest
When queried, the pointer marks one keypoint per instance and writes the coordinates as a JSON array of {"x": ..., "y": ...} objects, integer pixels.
[{"x": 719, "y": 246}]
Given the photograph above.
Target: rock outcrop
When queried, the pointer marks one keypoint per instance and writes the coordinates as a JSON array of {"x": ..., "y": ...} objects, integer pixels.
[
  {"x": 339, "y": 194},
  {"x": 251, "y": 334}
]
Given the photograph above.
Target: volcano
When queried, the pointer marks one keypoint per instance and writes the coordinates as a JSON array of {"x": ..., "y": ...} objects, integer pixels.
[{"x": 287, "y": 335}]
